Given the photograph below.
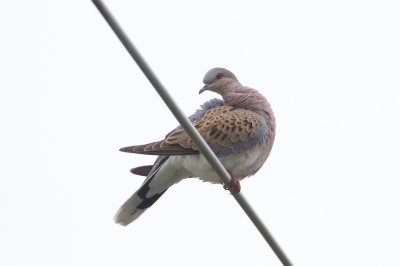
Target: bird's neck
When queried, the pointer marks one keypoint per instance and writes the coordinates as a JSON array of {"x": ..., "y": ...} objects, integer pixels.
[{"x": 243, "y": 97}]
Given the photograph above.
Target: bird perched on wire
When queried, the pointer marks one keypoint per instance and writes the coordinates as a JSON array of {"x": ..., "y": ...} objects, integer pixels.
[{"x": 240, "y": 130}]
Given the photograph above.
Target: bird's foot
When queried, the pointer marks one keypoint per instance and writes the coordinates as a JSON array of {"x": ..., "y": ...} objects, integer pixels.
[{"x": 234, "y": 185}]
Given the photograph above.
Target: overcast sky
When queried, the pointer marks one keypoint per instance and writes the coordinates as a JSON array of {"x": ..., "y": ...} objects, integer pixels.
[{"x": 71, "y": 97}]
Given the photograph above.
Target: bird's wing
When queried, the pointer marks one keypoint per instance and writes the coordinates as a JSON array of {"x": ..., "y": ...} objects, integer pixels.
[
  {"x": 226, "y": 129},
  {"x": 143, "y": 170}
]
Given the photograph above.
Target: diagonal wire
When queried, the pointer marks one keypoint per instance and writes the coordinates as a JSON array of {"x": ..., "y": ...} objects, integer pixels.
[{"x": 191, "y": 131}]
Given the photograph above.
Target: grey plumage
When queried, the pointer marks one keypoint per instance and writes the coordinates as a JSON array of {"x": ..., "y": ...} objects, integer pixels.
[{"x": 240, "y": 129}]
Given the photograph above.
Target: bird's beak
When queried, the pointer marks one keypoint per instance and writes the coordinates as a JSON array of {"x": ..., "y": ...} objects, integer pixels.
[{"x": 203, "y": 89}]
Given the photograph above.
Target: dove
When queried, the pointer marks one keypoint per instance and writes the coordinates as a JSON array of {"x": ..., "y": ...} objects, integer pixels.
[{"x": 239, "y": 129}]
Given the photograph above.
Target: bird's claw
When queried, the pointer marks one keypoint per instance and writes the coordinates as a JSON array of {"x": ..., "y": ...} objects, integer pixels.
[{"x": 234, "y": 186}]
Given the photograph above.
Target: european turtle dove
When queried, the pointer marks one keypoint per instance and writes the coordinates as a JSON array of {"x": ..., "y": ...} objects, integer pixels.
[{"x": 240, "y": 129}]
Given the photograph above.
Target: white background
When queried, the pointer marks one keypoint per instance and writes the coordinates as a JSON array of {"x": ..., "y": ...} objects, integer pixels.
[{"x": 71, "y": 97}]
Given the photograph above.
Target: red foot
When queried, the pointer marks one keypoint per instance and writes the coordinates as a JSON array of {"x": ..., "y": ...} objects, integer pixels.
[{"x": 234, "y": 185}]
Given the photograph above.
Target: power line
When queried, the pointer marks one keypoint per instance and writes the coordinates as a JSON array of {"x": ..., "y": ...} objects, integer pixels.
[{"x": 190, "y": 130}]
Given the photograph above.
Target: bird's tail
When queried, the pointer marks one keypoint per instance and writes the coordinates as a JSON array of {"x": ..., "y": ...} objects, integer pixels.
[
  {"x": 159, "y": 179},
  {"x": 136, "y": 205}
]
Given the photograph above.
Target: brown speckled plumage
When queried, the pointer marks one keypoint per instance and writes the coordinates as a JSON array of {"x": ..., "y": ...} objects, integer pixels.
[{"x": 240, "y": 130}]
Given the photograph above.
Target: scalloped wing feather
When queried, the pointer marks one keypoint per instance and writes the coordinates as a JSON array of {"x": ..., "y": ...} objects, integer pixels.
[{"x": 226, "y": 130}]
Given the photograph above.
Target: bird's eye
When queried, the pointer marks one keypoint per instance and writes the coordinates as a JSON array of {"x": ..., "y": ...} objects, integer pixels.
[{"x": 219, "y": 75}]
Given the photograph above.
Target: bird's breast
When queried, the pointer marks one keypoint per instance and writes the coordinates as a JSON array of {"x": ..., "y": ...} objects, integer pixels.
[{"x": 239, "y": 165}]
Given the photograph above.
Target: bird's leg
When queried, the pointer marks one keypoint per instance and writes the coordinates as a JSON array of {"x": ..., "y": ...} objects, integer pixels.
[{"x": 234, "y": 185}]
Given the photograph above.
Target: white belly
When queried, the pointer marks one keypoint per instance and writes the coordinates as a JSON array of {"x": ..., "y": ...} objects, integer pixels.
[{"x": 239, "y": 165}]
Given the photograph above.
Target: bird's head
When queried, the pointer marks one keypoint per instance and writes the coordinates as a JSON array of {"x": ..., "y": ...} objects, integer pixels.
[{"x": 217, "y": 80}]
